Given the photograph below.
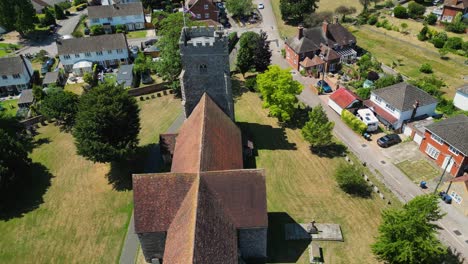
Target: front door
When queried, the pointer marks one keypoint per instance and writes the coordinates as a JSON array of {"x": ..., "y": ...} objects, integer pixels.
[{"x": 447, "y": 164}]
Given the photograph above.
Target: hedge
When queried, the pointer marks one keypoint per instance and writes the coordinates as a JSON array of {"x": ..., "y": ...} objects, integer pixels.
[{"x": 353, "y": 122}]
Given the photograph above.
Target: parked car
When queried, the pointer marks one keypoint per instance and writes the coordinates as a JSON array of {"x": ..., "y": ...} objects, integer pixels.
[
  {"x": 261, "y": 6},
  {"x": 388, "y": 140},
  {"x": 324, "y": 85},
  {"x": 47, "y": 66}
]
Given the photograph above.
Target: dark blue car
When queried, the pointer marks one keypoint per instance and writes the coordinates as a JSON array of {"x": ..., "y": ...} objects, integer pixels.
[{"x": 326, "y": 88}]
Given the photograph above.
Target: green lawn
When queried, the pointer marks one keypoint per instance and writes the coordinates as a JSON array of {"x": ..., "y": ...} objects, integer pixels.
[
  {"x": 420, "y": 170},
  {"x": 301, "y": 184},
  {"x": 80, "y": 218},
  {"x": 136, "y": 34},
  {"x": 10, "y": 107},
  {"x": 74, "y": 88},
  {"x": 388, "y": 49},
  {"x": 6, "y": 48}
]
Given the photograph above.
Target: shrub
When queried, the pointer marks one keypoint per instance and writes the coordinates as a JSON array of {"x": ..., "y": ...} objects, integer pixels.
[
  {"x": 353, "y": 122},
  {"x": 283, "y": 53},
  {"x": 120, "y": 28},
  {"x": 349, "y": 179},
  {"x": 388, "y": 26},
  {"x": 97, "y": 30},
  {"x": 415, "y": 10},
  {"x": 454, "y": 43},
  {"x": 372, "y": 20},
  {"x": 400, "y": 12},
  {"x": 422, "y": 36},
  {"x": 77, "y": 34},
  {"x": 251, "y": 83},
  {"x": 425, "y": 68},
  {"x": 364, "y": 93},
  {"x": 456, "y": 27},
  {"x": 465, "y": 46},
  {"x": 79, "y": 2},
  {"x": 430, "y": 19},
  {"x": 389, "y": 4}
]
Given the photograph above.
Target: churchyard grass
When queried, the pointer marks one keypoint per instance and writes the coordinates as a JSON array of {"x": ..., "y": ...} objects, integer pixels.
[
  {"x": 82, "y": 218},
  {"x": 302, "y": 185}
]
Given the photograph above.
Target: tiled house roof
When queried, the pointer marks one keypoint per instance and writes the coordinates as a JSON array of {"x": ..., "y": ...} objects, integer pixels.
[
  {"x": 117, "y": 10},
  {"x": 459, "y": 4},
  {"x": 343, "y": 97},
  {"x": 11, "y": 65},
  {"x": 454, "y": 131},
  {"x": 92, "y": 44},
  {"x": 403, "y": 96}
]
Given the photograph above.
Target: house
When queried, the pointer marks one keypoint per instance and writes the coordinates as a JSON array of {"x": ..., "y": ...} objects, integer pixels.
[
  {"x": 458, "y": 190},
  {"x": 452, "y": 7},
  {"x": 343, "y": 99},
  {"x": 39, "y": 5},
  {"x": 125, "y": 75},
  {"x": 417, "y": 129},
  {"x": 446, "y": 142},
  {"x": 203, "y": 9},
  {"x": 79, "y": 54},
  {"x": 207, "y": 209},
  {"x": 461, "y": 98},
  {"x": 323, "y": 47},
  {"x": 16, "y": 74},
  {"x": 395, "y": 104},
  {"x": 26, "y": 98},
  {"x": 55, "y": 78},
  {"x": 131, "y": 15},
  {"x": 112, "y": 2}
]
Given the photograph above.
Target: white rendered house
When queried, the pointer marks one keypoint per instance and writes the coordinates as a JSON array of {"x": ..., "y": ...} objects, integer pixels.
[
  {"x": 461, "y": 98},
  {"x": 131, "y": 15},
  {"x": 112, "y": 2},
  {"x": 15, "y": 75}
]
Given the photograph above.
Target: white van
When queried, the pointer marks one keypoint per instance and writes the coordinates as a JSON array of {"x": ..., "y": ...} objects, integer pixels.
[{"x": 369, "y": 118}]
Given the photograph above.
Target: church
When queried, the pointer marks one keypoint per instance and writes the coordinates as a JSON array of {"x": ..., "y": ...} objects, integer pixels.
[{"x": 208, "y": 209}]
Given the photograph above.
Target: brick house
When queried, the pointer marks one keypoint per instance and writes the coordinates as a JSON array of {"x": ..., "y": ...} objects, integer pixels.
[
  {"x": 452, "y": 7},
  {"x": 320, "y": 48},
  {"x": 207, "y": 209},
  {"x": 446, "y": 142},
  {"x": 203, "y": 9}
]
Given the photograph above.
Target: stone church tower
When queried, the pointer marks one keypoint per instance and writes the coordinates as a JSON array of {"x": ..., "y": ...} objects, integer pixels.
[{"x": 205, "y": 68}]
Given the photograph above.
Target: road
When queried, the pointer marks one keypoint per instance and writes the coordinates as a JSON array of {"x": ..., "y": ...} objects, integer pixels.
[{"x": 390, "y": 175}]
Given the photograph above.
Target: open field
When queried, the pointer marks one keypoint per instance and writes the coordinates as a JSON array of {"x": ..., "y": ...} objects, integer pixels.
[
  {"x": 288, "y": 31},
  {"x": 10, "y": 106},
  {"x": 81, "y": 217},
  {"x": 388, "y": 48},
  {"x": 301, "y": 185},
  {"x": 419, "y": 170}
]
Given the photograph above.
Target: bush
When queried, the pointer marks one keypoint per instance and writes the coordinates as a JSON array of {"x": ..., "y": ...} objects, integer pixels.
[
  {"x": 422, "y": 36},
  {"x": 425, "y": 68},
  {"x": 120, "y": 28},
  {"x": 353, "y": 122},
  {"x": 454, "y": 43},
  {"x": 465, "y": 46},
  {"x": 251, "y": 83},
  {"x": 364, "y": 93},
  {"x": 389, "y": 4},
  {"x": 372, "y": 20},
  {"x": 79, "y": 2},
  {"x": 415, "y": 10},
  {"x": 400, "y": 12},
  {"x": 457, "y": 27},
  {"x": 439, "y": 39},
  {"x": 430, "y": 19},
  {"x": 64, "y": 5},
  {"x": 77, "y": 34},
  {"x": 97, "y": 30},
  {"x": 349, "y": 179},
  {"x": 283, "y": 53}
]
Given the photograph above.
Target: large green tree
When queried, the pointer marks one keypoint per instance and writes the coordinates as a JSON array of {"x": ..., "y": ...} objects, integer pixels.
[
  {"x": 279, "y": 92},
  {"x": 408, "y": 235},
  {"x": 247, "y": 48},
  {"x": 262, "y": 53},
  {"x": 344, "y": 11},
  {"x": 59, "y": 13},
  {"x": 294, "y": 11},
  {"x": 61, "y": 106},
  {"x": 107, "y": 124},
  {"x": 239, "y": 8},
  {"x": 349, "y": 179},
  {"x": 18, "y": 15},
  {"x": 318, "y": 130}
]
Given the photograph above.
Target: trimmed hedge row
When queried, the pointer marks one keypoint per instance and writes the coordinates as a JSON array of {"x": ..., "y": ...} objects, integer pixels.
[{"x": 353, "y": 122}]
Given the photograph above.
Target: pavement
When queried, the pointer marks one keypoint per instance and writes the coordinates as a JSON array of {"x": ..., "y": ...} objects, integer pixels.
[{"x": 129, "y": 251}]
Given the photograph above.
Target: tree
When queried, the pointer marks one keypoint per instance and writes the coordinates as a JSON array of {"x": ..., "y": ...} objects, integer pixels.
[
  {"x": 400, "y": 12},
  {"x": 387, "y": 80},
  {"x": 443, "y": 53},
  {"x": 454, "y": 43},
  {"x": 365, "y": 4},
  {"x": 430, "y": 19},
  {"x": 425, "y": 68},
  {"x": 279, "y": 92},
  {"x": 262, "y": 53},
  {"x": 239, "y": 8},
  {"x": 7, "y": 13},
  {"x": 422, "y": 36},
  {"x": 294, "y": 11},
  {"x": 107, "y": 124},
  {"x": 404, "y": 26},
  {"x": 416, "y": 10},
  {"x": 246, "y": 56},
  {"x": 344, "y": 11},
  {"x": 38, "y": 94},
  {"x": 15, "y": 146},
  {"x": 408, "y": 235},
  {"x": 25, "y": 17},
  {"x": 364, "y": 93},
  {"x": 317, "y": 19},
  {"x": 59, "y": 13},
  {"x": 318, "y": 130},
  {"x": 97, "y": 30},
  {"x": 349, "y": 179},
  {"x": 62, "y": 106},
  {"x": 49, "y": 18}
]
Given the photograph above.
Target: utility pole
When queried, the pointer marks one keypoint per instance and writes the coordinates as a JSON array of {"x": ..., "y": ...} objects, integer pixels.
[{"x": 441, "y": 176}]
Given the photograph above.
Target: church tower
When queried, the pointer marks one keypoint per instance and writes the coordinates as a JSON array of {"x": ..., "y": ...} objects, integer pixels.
[{"x": 205, "y": 68}]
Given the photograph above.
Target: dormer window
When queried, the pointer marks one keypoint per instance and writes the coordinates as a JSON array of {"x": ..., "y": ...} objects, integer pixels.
[
  {"x": 16, "y": 76},
  {"x": 203, "y": 69},
  {"x": 4, "y": 77}
]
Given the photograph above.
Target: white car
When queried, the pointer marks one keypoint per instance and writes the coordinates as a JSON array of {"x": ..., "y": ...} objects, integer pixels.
[{"x": 261, "y": 6}]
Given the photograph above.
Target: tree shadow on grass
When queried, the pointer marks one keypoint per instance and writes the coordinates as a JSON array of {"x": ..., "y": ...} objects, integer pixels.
[
  {"x": 40, "y": 142},
  {"x": 299, "y": 118},
  {"x": 331, "y": 151},
  {"x": 146, "y": 160},
  {"x": 280, "y": 250},
  {"x": 266, "y": 136},
  {"x": 452, "y": 257},
  {"x": 238, "y": 87},
  {"x": 26, "y": 194}
]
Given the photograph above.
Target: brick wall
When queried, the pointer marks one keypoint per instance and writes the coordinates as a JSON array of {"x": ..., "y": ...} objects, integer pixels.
[
  {"x": 292, "y": 57},
  {"x": 199, "y": 8}
]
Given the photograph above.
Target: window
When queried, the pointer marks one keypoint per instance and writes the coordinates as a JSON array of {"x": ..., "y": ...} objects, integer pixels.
[
  {"x": 109, "y": 19},
  {"x": 109, "y": 51},
  {"x": 95, "y": 20},
  {"x": 99, "y": 53},
  {"x": 16, "y": 76},
  {"x": 378, "y": 99},
  {"x": 389, "y": 107},
  {"x": 4, "y": 77},
  {"x": 77, "y": 55},
  {"x": 432, "y": 152},
  {"x": 454, "y": 150},
  {"x": 198, "y": 16},
  {"x": 66, "y": 56},
  {"x": 207, "y": 15},
  {"x": 437, "y": 139},
  {"x": 203, "y": 68},
  {"x": 88, "y": 54},
  {"x": 206, "y": 7},
  {"x": 119, "y": 51}
]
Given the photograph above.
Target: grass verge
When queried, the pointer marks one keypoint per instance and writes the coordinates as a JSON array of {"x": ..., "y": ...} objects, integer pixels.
[
  {"x": 9, "y": 107},
  {"x": 419, "y": 170}
]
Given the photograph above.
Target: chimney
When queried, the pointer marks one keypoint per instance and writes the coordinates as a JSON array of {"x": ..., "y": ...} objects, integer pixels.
[
  {"x": 300, "y": 32},
  {"x": 325, "y": 27},
  {"x": 415, "y": 109}
]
